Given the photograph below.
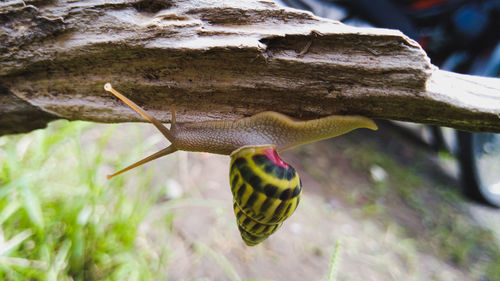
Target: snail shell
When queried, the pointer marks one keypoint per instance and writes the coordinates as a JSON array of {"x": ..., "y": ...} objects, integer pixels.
[{"x": 266, "y": 191}]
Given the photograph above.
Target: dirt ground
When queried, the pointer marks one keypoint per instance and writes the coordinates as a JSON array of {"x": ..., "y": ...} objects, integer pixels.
[{"x": 390, "y": 203}]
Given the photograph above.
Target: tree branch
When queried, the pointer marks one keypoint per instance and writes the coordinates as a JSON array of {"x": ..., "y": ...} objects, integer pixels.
[{"x": 220, "y": 60}]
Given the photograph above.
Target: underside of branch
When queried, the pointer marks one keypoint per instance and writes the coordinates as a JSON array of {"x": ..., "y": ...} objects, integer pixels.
[{"x": 219, "y": 60}]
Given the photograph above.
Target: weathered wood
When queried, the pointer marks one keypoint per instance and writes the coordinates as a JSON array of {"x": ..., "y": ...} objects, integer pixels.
[{"x": 220, "y": 60}]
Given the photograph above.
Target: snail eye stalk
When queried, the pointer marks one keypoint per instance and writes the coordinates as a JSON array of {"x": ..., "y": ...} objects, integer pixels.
[{"x": 164, "y": 130}]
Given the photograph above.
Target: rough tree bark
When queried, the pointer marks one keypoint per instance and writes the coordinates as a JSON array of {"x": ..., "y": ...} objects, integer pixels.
[{"x": 219, "y": 60}]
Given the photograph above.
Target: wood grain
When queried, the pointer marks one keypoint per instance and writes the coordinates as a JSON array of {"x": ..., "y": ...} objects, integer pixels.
[{"x": 221, "y": 60}]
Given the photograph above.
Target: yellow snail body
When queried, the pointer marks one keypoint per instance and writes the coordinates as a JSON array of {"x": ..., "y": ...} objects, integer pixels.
[{"x": 266, "y": 190}]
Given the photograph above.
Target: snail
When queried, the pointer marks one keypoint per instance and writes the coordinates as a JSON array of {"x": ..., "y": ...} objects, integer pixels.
[{"x": 266, "y": 190}]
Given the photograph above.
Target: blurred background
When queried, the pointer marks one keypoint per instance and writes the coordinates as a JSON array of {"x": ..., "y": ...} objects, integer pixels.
[{"x": 396, "y": 204}]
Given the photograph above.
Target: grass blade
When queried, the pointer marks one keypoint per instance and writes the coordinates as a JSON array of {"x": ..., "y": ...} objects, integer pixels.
[
  {"x": 14, "y": 241},
  {"x": 60, "y": 261},
  {"x": 10, "y": 209},
  {"x": 20, "y": 262},
  {"x": 334, "y": 262},
  {"x": 32, "y": 206}
]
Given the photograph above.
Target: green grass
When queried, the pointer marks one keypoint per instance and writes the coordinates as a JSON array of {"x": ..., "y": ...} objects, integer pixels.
[
  {"x": 59, "y": 218},
  {"x": 334, "y": 262}
]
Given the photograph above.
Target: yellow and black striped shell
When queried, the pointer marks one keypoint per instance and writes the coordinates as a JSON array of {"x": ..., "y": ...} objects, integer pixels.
[{"x": 266, "y": 191}]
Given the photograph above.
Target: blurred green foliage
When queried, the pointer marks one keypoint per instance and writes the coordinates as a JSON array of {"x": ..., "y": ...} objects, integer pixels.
[{"x": 59, "y": 220}]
